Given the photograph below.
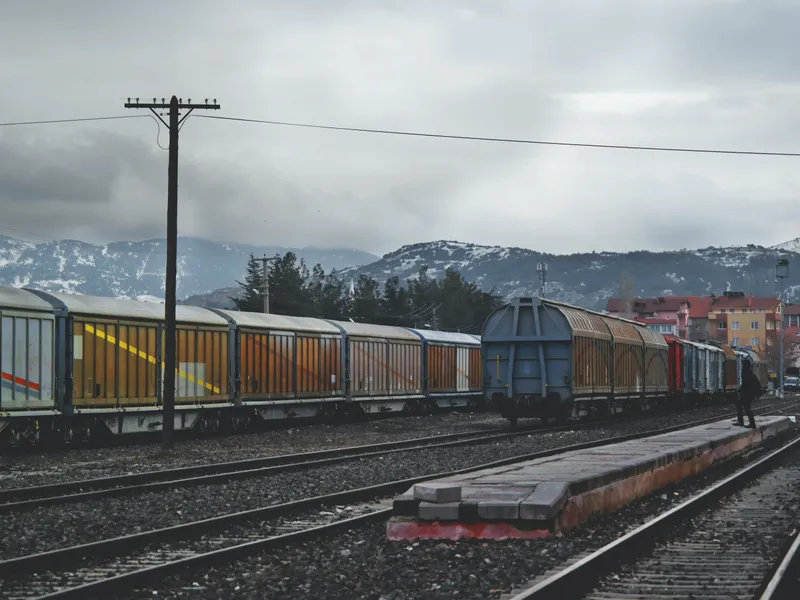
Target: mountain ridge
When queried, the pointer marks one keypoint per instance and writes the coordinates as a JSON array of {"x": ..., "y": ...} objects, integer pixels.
[
  {"x": 208, "y": 270},
  {"x": 135, "y": 269},
  {"x": 589, "y": 279}
]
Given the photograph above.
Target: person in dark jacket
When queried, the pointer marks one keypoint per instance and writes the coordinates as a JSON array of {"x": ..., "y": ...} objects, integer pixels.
[{"x": 750, "y": 390}]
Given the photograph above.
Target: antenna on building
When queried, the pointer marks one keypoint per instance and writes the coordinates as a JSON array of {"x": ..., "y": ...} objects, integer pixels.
[{"x": 541, "y": 269}]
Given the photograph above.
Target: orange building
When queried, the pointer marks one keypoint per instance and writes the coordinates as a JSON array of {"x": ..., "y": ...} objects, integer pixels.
[
  {"x": 746, "y": 321},
  {"x": 731, "y": 318}
]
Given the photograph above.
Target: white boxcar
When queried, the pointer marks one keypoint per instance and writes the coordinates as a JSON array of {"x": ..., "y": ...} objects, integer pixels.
[{"x": 27, "y": 348}]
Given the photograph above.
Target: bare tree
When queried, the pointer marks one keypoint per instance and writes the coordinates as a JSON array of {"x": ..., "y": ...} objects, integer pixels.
[{"x": 772, "y": 352}]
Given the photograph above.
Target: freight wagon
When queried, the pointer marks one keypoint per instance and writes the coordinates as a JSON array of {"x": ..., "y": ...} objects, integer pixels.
[
  {"x": 699, "y": 373},
  {"x": 760, "y": 366},
  {"x": 76, "y": 366},
  {"x": 548, "y": 359}
]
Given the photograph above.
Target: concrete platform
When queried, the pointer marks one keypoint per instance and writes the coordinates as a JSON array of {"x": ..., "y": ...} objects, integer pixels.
[{"x": 547, "y": 496}]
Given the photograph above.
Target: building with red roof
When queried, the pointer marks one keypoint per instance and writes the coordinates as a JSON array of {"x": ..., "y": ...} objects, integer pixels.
[{"x": 731, "y": 318}]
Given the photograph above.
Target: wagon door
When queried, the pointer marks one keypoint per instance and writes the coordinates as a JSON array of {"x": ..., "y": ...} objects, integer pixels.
[
  {"x": 27, "y": 349},
  {"x": 462, "y": 369}
]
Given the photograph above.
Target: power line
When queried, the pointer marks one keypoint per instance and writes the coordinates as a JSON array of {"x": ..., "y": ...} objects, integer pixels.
[
  {"x": 504, "y": 140},
  {"x": 81, "y": 120},
  {"x": 433, "y": 135}
]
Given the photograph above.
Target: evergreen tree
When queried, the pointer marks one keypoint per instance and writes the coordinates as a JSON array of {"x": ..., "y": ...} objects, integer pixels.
[
  {"x": 395, "y": 303},
  {"x": 287, "y": 287},
  {"x": 314, "y": 289},
  {"x": 367, "y": 301},
  {"x": 334, "y": 300},
  {"x": 249, "y": 298},
  {"x": 449, "y": 304}
]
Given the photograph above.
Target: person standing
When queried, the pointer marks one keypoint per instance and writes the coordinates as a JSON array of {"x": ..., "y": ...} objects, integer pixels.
[{"x": 750, "y": 390}]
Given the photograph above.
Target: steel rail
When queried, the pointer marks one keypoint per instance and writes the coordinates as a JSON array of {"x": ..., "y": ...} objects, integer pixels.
[
  {"x": 64, "y": 558},
  {"x": 113, "y": 583},
  {"x": 578, "y": 578},
  {"x": 779, "y": 586},
  {"x": 44, "y": 559},
  {"x": 151, "y": 481}
]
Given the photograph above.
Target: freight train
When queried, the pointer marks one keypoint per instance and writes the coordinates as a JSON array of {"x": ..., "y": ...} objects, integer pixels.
[
  {"x": 547, "y": 359},
  {"x": 75, "y": 367}
]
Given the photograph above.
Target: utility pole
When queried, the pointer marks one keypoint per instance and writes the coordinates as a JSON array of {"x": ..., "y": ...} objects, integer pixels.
[
  {"x": 265, "y": 286},
  {"x": 541, "y": 268},
  {"x": 781, "y": 273},
  {"x": 175, "y": 105}
]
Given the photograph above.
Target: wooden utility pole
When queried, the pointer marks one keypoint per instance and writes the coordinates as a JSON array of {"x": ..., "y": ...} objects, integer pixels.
[
  {"x": 175, "y": 105},
  {"x": 265, "y": 285}
]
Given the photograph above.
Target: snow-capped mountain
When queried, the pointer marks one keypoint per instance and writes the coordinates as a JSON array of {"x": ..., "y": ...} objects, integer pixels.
[
  {"x": 136, "y": 269},
  {"x": 590, "y": 279},
  {"x": 207, "y": 271},
  {"x": 790, "y": 246}
]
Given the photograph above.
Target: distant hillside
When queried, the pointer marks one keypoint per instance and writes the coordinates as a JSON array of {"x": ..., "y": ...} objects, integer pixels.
[
  {"x": 136, "y": 269},
  {"x": 589, "y": 279},
  {"x": 208, "y": 271}
]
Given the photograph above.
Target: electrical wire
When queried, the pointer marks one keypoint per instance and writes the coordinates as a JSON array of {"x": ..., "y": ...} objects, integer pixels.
[
  {"x": 158, "y": 133},
  {"x": 432, "y": 135},
  {"x": 81, "y": 120},
  {"x": 504, "y": 140}
]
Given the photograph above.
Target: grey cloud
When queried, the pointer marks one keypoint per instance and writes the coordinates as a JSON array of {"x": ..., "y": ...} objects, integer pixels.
[
  {"x": 516, "y": 68},
  {"x": 34, "y": 171}
]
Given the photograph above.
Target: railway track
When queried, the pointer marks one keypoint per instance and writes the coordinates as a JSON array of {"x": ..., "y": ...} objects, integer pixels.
[
  {"x": 723, "y": 543},
  {"x": 24, "y": 498},
  {"x": 786, "y": 579},
  {"x": 93, "y": 569}
]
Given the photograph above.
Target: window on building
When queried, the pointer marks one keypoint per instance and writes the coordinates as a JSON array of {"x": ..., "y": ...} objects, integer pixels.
[
  {"x": 731, "y": 310},
  {"x": 662, "y": 328},
  {"x": 754, "y": 325},
  {"x": 754, "y": 342},
  {"x": 735, "y": 325},
  {"x": 794, "y": 320},
  {"x": 770, "y": 325},
  {"x": 735, "y": 341},
  {"x": 722, "y": 324},
  {"x": 761, "y": 310}
]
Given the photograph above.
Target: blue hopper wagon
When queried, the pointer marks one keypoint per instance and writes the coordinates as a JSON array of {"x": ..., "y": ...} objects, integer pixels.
[{"x": 545, "y": 359}]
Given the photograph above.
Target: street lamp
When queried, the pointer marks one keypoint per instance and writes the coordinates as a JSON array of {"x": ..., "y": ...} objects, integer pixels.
[{"x": 781, "y": 273}]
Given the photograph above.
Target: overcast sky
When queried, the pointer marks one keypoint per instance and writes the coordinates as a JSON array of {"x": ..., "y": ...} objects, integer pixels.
[{"x": 696, "y": 73}]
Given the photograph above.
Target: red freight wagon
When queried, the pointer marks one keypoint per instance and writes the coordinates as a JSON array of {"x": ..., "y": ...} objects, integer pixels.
[{"x": 677, "y": 380}]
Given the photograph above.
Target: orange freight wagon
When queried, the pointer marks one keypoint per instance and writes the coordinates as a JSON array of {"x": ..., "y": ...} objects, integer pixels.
[
  {"x": 449, "y": 360},
  {"x": 282, "y": 357},
  {"x": 116, "y": 358},
  {"x": 382, "y": 361}
]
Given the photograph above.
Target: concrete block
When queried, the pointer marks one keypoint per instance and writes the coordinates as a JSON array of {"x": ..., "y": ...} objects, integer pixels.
[
  {"x": 496, "y": 492},
  {"x": 430, "y": 511},
  {"x": 437, "y": 492},
  {"x": 468, "y": 511},
  {"x": 545, "y": 502},
  {"x": 405, "y": 505},
  {"x": 498, "y": 510}
]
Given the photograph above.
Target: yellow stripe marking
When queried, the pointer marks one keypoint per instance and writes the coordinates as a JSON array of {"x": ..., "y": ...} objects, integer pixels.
[{"x": 148, "y": 357}]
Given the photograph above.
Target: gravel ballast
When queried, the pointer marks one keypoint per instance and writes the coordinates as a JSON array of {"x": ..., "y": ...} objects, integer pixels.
[
  {"x": 50, "y": 527},
  {"x": 362, "y": 564},
  {"x": 23, "y": 470},
  {"x": 40, "y": 468}
]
